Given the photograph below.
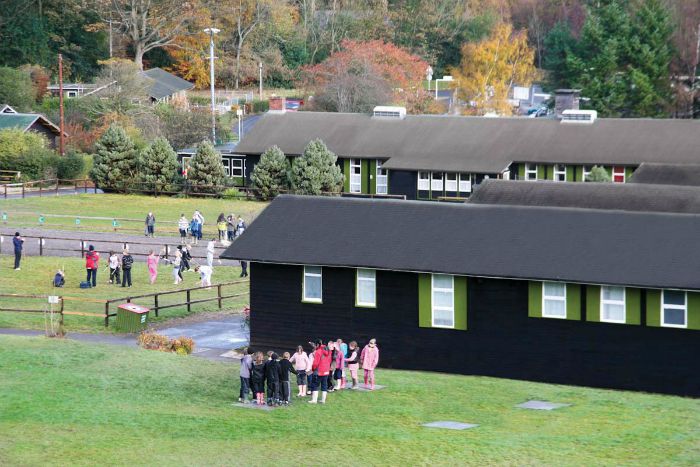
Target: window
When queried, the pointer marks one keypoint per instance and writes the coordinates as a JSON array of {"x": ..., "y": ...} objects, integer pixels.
[
  {"x": 382, "y": 179},
  {"x": 674, "y": 309},
  {"x": 237, "y": 168},
  {"x": 505, "y": 175},
  {"x": 72, "y": 94},
  {"x": 313, "y": 284},
  {"x": 366, "y": 288},
  {"x": 586, "y": 172},
  {"x": 554, "y": 300},
  {"x": 436, "y": 181},
  {"x": 443, "y": 301},
  {"x": 451, "y": 182},
  {"x": 559, "y": 173},
  {"x": 355, "y": 176},
  {"x": 530, "y": 171},
  {"x": 227, "y": 166},
  {"x": 612, "y": 304},
  {"x": 185, "y": 163},
  {"x": 424, "y": 181},
  {"x": 465, "y": 183},
  {"x": 618, "y": 174}
]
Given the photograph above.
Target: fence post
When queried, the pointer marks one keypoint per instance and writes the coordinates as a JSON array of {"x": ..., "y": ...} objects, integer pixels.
[
  {"x": 82, "y": 249},
  {"x": 41, "y": 246},
  {"x": 60, "y": 322},
  {"x": 85, "y": 185},
  {"x": 218, "y": 292},
  {"x": 106, "y": 314},
  {"x": 5, "y": 186},
  {"x": 39, "y": 190},
  {"x": 155, "y": 301},
  {"x": 22, "y": 190},
  {"x": 189, "y": 307},
  {"x": 57, "y": 182},
  {"x": 167, "y": 250}
]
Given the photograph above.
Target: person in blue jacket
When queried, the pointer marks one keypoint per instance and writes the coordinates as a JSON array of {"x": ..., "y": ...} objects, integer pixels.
[{"x": 17, "y": 241}]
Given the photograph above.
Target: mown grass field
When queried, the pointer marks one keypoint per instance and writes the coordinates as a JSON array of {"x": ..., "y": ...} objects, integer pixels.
[
  {"x": 37, "y": 273},
  {"x": 23, "y": 213},
  {"x": 69, "y": 403}
]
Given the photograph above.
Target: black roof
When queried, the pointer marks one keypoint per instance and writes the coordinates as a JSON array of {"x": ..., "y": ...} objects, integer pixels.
[
  {"x": 622, "y": 196},
  {"x": 667, "y": 174},
  {"x": 165, "y": 84},
  {"x": 479, "y": 144},
  {"x": 539, "y": 243}
]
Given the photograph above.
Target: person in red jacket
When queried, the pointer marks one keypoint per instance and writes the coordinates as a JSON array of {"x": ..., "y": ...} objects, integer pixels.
[
  {"x": 321, "y": 366},
  {"x": 92, "y": 258}
]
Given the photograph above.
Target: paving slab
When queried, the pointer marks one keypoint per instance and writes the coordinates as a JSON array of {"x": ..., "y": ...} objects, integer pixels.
[
  {"x": 542, "y": 405},
  {"x": 450, "y": 425},
  {"x": 362, "y": 387}
]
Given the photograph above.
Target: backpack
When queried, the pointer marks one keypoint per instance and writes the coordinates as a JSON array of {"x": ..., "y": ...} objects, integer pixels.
[{"x": 85, "y": 285}]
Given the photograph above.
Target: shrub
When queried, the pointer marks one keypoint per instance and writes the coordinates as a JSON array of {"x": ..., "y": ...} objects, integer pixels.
[
  {"x": 159, "y": 165},
  {"x": 260, "y": 106},
  {"x": 271, "y": 175},
  {"x": 115, "y": 160},
  {"x": 233, "y": 193},
  {"x": 70, "y": 166},
  {"x": 152, "y": 341},
  {"x": 206, "y": 173},
  {"x": 316, "y": 170},
  {"x": 27, "y": 153},
  {"x": 598, "y": 174}
]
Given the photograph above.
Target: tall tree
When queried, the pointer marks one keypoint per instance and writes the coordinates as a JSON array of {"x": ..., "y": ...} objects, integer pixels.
[
  {"x": 158, "y": 165},
  {"x": 316, "y": 171},
  {"x": 271, "y": 174},
  {"x": 115, "y": 162},
  {"x": 206, "y": 172},
  {"x": 686, "y": 38}
]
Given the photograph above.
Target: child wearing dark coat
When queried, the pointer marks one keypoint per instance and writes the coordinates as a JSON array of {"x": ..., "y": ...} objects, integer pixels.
[
  {"x": 286, "y": 367},
  {"x": 272, "y": 376},
  {"x": 257, "y": 378}
]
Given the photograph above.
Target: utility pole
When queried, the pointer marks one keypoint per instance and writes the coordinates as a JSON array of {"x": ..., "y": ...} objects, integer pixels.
[
  {"x": 110, "y": 37},
  {"x": 211, "y": 32},
  {"x": 60, "y": 104},
  {"x": 260, "y": 80}
]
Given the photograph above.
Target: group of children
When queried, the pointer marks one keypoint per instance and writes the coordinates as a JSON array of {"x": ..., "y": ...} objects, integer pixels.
[
  {"x": 228, "y": 227},
  {"x": 325, "y": 369}
]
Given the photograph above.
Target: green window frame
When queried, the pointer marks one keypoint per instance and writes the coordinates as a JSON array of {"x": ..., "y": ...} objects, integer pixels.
[
  {"x": 671, "y": 308},
  {"x": 311, "y": 276},
  {"x": 459, "y": 302},
  {"x": 613, "y": 302},
  {"x": 536, "y": 300},
  {"x": 366, "y": 288}
]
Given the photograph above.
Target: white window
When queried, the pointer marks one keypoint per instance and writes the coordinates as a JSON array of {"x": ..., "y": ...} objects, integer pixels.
[
  {"x": 436, "y": 181},
  {"x": 237, "y": 168},
  {"x": 355, "y": 176},
  {"x": 586, "y": 172},
  {"x": 674, "y": 309},
  {"x": 618, "y": 174},
  {"x": 227, "y": 166},
  {"x": 451, "y": 182},
  {"x": 465, "y": 183},
  {"x": 554, "y": 300},
  {"x": 423, "y": 181},
  {"x": 382, "y": 179},
  {"x": 443, "y": 301},
  {"x": 530, "y": 171},
  {"x": 366, "y": 287},
  {"x": 313, "y": 284},
  {"x": 185, "y": 163},
  {"x": 505, "y": 175},
  {"x": 612, "y": 304},
  {"x": 72, "y": 94},
  {"x": 559, "y": 173}
]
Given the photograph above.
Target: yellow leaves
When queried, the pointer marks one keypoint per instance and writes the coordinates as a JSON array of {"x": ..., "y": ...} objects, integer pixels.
[{"x": 490, "y": 68}]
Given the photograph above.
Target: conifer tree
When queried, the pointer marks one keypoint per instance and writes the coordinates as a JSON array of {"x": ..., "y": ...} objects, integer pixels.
[
  {"x": 316, "y": 170},
  {"x": 206, "y": 172},
  {"x": 598, "y": 174},
  {"x": 158, "y": 165},
  {"x": 271, "y": 174},
  {"x": 115, "y": 163}
]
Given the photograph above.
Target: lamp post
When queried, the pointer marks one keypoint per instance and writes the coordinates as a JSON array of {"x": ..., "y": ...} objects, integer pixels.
[
  {"x": 211, "y": 32},
  {"x": 239, "y": 114},
  {"x": 260, "y": 80},
  {"x": 446, "y": 78},
  {"x": 429, "y": 75}
]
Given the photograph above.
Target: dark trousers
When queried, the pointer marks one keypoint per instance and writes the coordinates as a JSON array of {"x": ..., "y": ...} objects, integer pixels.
[
  {"x": 92, "y": 276},
  {"x": 322, "y": 382},
  {"x": 273, "y": 391},
  {"x": 114, "y": 275},
  {"x": 313, "y": 382},
  {"x": 230, "y": 235},
  {"x": 184, "y": 266},
  {"x": 126, "y": 277},
  {"x": 150, "y": 229},
  {"x": 18, "y": 257},
  {"x": 245, "y": 387},
  {"x": 244, "y": 269},
  {"x": 286, "y": 390}
]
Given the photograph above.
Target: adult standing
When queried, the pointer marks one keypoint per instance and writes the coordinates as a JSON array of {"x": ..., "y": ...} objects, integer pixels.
[
  {"x": 18, "y": 242},
  {"x": 92, "y": 259},
  {"x": 127, "y": 262},
  {"x": 150, "y": 224},
  {"x": 221, "y": 226},
  {"x": 370, "y": 359},
  {"x": 198, "y": 215},
  {"x": 322, "y": 365}
]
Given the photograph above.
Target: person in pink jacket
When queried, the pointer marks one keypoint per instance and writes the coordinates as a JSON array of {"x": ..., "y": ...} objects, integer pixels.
[
  {"x": 301, "y": 364},
  {"x": 152, "y": 262},
  {"x": 369, "y": 359}
]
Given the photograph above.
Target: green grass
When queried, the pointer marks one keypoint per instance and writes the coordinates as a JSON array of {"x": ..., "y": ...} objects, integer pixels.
[
  {"x": 25, "y": 212},
  {"x": 37, "y": 273},
  {"x": 68, "y": 403}
]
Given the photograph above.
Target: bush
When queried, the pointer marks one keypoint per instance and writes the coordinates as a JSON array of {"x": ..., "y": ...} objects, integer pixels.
[
  {"x": 115, "y": 160},
  {"x": 152, "y": 341},
  {"x": 159, "y": 165},
  {"x": 271, "y": 175},
  {"x": 260, "y": 107},
  {"x": 598, "y": 174},
  {"x": 233, "y": 193},
  {"x": 70, "y": 166},
  {"x": 316, "y": 170},
  {"x": 27, "y": 153},
  {"x": 206, "y": 173}
]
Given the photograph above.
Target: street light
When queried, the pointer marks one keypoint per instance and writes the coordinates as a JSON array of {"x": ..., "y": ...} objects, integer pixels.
[
  {"x": 429, "y": 75},
  {"x": 211, "y": 32},
  {"x": 447, "y": 78},
  {"x": 260, "y": 79},
  {"x": 239, "y": 114}
]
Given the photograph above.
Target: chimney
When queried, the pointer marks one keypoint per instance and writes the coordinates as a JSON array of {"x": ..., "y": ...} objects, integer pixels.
[
  {"x": 278, "y": 104},
  {"x": 566, "y": 99}
]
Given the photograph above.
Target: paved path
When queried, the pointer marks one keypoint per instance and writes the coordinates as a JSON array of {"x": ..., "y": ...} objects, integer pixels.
[{"x": 46, "y": 193}]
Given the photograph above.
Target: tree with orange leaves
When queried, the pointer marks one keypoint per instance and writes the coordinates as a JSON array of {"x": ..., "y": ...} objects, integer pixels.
[{"x": 490, "y": 68}]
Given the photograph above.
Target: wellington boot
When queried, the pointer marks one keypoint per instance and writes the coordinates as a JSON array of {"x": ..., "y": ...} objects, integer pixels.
[{"x": 314, "y": 397}]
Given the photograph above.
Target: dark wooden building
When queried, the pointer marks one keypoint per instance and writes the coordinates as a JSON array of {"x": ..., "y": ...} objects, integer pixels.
[
  {"x": 37, "y": 123},
  {"x": 562, "y": 295}
]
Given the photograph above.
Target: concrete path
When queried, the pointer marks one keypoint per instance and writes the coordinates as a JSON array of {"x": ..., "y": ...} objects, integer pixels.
[{"x": 46, "y": 193}]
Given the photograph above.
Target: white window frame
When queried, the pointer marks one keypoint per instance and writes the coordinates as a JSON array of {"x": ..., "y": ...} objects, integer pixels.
[
  {"x": 185, "y": 162},
  {"x": 434, "y": 289},
  {"x": 237, "y": 171},
  {"x": 423, "y": 181},
  {"x": 304, "y": 298},
  {"x": 559, "y": 172},
  {"x": 382, "y": 174},
  {"x": 604, "y": 301},
  {"x": 465, "y": 183},
  {"x": 624, "y": 179},
  {"x": 531, "y": 172},
  {"x": 586, "y": 173},
  {"x": 546, "y": 297},
  {"x": 70, "y": 94},
  {"x": 355, "y": 183},
  {"x": 372, "y": 280},
  {"x": 437, "y": 184},
  {"x": 505, "y": 175},
  {"x": 227, "y": 166},
  {"x": 451, "y": 185},
  {"x": 683, "y": 307}
]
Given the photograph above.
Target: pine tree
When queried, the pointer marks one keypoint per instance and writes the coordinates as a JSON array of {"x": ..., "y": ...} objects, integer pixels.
[
  {"x": 115, "y": 163},
  {"x": 598, "y": 174},
  {"x": 158, "y": 165},
  {"x": 206, "y": 172},
  {"x": 316, "y": 170},
  {"x": 271, "y": 174}
]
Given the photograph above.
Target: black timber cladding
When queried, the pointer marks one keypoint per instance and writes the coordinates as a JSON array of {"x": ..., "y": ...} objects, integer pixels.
[
  {"x": 575, "y": 245},
  {"x": 667, "y": 174},
  {"x": 622, "y": 196}
]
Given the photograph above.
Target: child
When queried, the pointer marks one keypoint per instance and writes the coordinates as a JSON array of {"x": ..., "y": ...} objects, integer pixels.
[
  {"x": 301, "y": 363},
  {"x": 257, "y": 378},
  {"x": 272, "y": 376},
  {"x": 321, "y": 365},
  {"x": 182, "y": 225},
  {"x": 331, "y": 374},
  {"x": 221, "y": 226},
  {"x": 353, "y": 362},
  {"x": 195, "y": 228},
  {"x": 246, "y": 368},
  {"x": 310, "y": 376},
  {"x": 176, "y": 267},
  {"x": 205, "y": 274},
  {"x": 127, "y": 261},
  {"x": 211, "y": 248},
  {"x": 152, "y": 262},
  {"x": 339, "y": 365},
  {"x": 344, "y": 350},
  {"x": 186, "y": 257},
  {"x": 114, "y": 268},
  {"x": 231, "y": 226},
  {"x": 370, "y": 358},
  {"x": 240, "y": 228},
  {"x": 285, "y": 386},
  {"x": 59, "y": 279}
]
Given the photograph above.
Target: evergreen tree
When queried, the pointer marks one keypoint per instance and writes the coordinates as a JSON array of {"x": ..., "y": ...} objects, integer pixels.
[
  {"x": 158, "y": 165},
  {"x": 271, "y": 174},
  {"x": 16, "y": 89},
  {"x": 115, "y": 162},
  {"x": 206, "y": 172},
  {"x": 598, "y": 174},
  {"x": 558, "y": 45},
  {"x": 316, "y": 170}
]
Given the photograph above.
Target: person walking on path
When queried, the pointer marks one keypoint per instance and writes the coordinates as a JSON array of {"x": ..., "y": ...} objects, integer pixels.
[
  {"x": 114, "y": 268},
  {"x": 182, "y": 225},
  {"x": 322, "y": 365},
  {"x": 246, "y": 367},
  {"x": 92, "y": 259},
  {"x": 127, "y": 262},
  {"x": 211, "y": 248},
  {"x": 17, "y": 242},
  {"x": 152, "y": 262},
  {"x": 150, "y": 224},
  {"x": 231, "y": 227},
  {"x": 370, "y": 359}
]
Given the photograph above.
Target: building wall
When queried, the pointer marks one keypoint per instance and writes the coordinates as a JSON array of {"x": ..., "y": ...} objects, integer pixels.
[
  {"x": 50, "y": 136},
  {"x": 501, "y": 338},
  {"x": 402, "y": 182}
]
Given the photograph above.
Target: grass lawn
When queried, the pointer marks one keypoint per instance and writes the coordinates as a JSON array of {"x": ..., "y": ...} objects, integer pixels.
[
  {"x": 38, "y": 271},
  {"x": 25, "y": 212},
  {"x": 69, "y": 403}
]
